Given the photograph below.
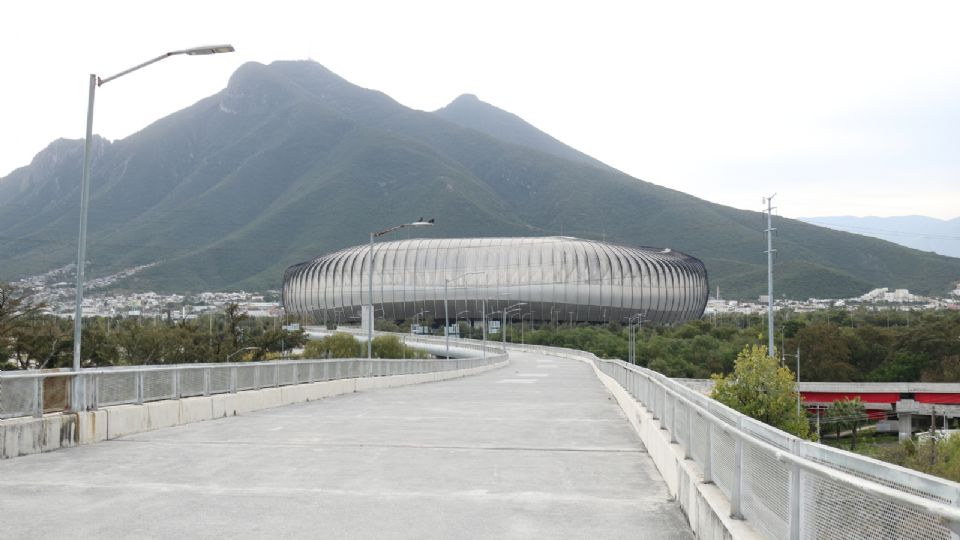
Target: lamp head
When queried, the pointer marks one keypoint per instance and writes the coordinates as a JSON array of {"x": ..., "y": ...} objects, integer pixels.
[{"x": 209, "y": 49}]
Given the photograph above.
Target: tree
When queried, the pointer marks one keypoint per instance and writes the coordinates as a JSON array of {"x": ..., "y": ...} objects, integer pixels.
[
  {"x": 15, "y": 310},
  {"x": 339, "y": 345},
  {"x": 847, "y": 414},
  {"x": 387, "y": 347},
  {"x": 826, "y": 354},
  {"x": 42, "y": 342},
  {"x": 234, "y": 318},
  {"x": 760, "y": 388}
]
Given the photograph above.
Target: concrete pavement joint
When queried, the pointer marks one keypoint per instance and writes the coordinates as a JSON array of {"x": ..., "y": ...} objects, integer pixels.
[
  {"x": 381, "y": 445},
  {"x": 475, "y": 494}
]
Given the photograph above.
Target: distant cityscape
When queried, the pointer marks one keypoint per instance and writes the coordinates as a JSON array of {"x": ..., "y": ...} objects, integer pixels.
[
  {"x": 57, "y": 291},
  {"x": 877, "y": 299}
]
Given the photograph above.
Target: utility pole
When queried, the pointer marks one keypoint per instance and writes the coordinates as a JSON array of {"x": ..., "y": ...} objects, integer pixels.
[
  {"x": 770, "y": 251},
  {"x": 797, "y": 355}
]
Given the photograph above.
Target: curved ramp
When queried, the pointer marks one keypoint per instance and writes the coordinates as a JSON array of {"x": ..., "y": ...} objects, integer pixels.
[{"x": 538, "y": 449}]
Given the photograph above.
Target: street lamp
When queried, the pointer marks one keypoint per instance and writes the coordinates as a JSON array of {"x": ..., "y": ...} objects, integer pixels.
[
  {"x": 456, "y": 320},
  {"x": 446, "y": 313},
  {"x": 85, "y": 182},
  {"x": 521, "y": 325},
  {"x": 416, "y": 316},
  {"x": 418, "y": 223},
  {"x": 503, "y": 324},
  {"x": 483, "y": 320},
  {"x": 632, "y": 336}
]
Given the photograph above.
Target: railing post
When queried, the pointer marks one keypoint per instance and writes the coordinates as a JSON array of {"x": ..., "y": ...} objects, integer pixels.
[
  {"x": 653, "y": 401},
  {"x": 90, "y": 399},
  {"x": 77, "y": 394},
  {"x": 38, "y": 396},
  {"x": 176, "y": 383},
  {"x": 688, "y": 446},
  {"x": 673, "y": 419},
  {"x": 737, "y": 489},
  {"x": 140, "y": 387},
  {"x": 708, "y": 458},
  {"x": 233, "y": 379},
  {"x": 795, "y": 503},
  {"x": 206, "y": 381}
]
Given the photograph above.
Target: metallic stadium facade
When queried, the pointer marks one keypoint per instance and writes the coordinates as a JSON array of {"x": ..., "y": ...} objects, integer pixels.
[{"x": 555, "y": 278}]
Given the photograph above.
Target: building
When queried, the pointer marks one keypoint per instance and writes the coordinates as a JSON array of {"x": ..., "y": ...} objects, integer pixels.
[{"x": 559, "y": 279}]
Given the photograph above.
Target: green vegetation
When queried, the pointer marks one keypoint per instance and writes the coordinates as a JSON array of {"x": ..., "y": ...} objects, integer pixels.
[
  {"x": 936, "y": 456},
  {"x": 846, "y": 414},
  {"x": 17, "y": 324},
  {"x": 30, "y": 339},
  {"x": 309, "y": 163},
  {"x": 338, "y": 345},
  {"x": 885, "y": 346},
  {"x": 343, "y": 345},
  {"x": 762, "y": 389}
]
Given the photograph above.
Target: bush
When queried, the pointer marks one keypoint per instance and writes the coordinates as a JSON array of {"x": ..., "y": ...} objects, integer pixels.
[
  {"x": 338, "y": 345},
  {"x": 761, "y": 389}
]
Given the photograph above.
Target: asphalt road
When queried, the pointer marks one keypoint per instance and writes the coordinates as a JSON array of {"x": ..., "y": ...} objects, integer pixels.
[{"x": 538, "y": 449}]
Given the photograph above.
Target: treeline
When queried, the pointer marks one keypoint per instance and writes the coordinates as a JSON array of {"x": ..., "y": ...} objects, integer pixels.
[
  {"x": 30, "y": 339},
  {"x": 834, "y": 345},
  {"x": 342, "y": 345}
]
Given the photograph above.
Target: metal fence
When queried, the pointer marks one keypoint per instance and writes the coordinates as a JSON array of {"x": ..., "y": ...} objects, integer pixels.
[
  {"x": 786, "y": 487},
  {"x": 33, "y": 393}
]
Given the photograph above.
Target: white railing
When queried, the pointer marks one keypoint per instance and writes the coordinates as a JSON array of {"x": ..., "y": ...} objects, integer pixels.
[
  {"x": 33, "y": 393},
  {"x": 786, "y": 487}
]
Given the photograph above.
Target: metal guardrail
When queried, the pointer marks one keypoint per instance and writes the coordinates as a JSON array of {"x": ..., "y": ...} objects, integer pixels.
[
  {"x": 33, "y": 393},
  {"x": 784, "y": 486}
]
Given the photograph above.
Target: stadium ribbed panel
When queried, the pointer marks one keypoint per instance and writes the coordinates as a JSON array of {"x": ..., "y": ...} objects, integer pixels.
[{"x": 559, "y": 278}]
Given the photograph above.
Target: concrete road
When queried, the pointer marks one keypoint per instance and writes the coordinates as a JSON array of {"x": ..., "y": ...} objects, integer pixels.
[{"x": 538, "y": 449}]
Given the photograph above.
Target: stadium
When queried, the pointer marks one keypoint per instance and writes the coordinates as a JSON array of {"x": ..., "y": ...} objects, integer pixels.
[{"x": 546, "y": 278}]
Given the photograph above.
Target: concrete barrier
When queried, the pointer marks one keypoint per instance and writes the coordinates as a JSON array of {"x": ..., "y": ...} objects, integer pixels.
[
  {"x": 23, "y": 436},
  {"x": 91, "y": 426}
]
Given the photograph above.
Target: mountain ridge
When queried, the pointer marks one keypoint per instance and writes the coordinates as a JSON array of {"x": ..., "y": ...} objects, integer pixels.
[
  {"x": 290, "y": 161},
  {"x": 924, "y": 233}
]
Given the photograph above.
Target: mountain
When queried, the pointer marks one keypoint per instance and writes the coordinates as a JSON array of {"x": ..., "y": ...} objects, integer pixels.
[
  {"x": 468, "y": 111},
  {"x": 291, "y": 161},
  {"x": 918, "y": 232}
]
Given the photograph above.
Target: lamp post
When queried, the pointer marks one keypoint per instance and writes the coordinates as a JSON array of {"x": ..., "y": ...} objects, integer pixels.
[
  {"x": 456, "y": 319},
  {"x": 419, "y": 223},
  {"x": 416, "y": 318},
  {"x": 446, "y": 312},
  {"x": 85, "y": 185},
  {"x": 521, "y": 326},
  {"x": 632, "y": 342},
  {"x": 503, "y": 324}
]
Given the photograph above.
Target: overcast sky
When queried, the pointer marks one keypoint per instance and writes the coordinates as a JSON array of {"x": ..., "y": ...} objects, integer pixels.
[{"x": 839, "y": 107}]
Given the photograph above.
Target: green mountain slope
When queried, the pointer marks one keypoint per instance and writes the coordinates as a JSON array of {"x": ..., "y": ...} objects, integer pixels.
[{"x": 291, "y": 161}]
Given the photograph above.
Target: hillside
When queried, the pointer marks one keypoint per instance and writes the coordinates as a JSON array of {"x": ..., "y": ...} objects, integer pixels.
[{"x": 290, "y": 161}]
